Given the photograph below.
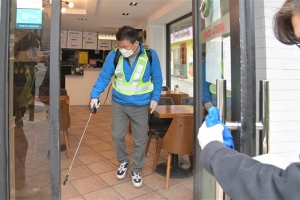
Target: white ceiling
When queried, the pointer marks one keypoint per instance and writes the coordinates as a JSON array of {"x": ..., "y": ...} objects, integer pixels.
[{"x": 106, "y": 15}]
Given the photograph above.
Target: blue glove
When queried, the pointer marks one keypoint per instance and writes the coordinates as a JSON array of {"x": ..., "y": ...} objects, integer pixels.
[{"x": 212, "y": 119}]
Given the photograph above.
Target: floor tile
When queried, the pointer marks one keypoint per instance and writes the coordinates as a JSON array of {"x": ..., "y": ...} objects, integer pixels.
[
  {"x": 186, "y": 182},
  {"x": 156, "y": 181},
  {"x": 68, "y": 191},
  {"x": 65, "y": 163},
  {"x": 111, "y": 179},
  {"x": 101, "y": 147},
  {"x": 88, "y": 184},
  {"x": 78, "y": 172},
  {"x": 76, "y": 198},
  {"x": 91, "y": 158},
  {"x": 176, "y": 191},
  {"x": 129, "y": 192},
  {"x": 109, "y": 154},
  {"x": 150, "y": 196},
  {"x": 107, "y": 193},
  {"x": 102, "y": 167}
]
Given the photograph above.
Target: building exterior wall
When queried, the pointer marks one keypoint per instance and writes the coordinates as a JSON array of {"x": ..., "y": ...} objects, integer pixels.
[{"x": 280, "y": 65}]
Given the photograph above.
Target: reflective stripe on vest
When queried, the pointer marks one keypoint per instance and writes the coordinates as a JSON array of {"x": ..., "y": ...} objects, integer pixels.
[
  {"x": 25, "y": 98},
  {"x": 136, "y": 85},
  {"x": 213, "y": 90}
]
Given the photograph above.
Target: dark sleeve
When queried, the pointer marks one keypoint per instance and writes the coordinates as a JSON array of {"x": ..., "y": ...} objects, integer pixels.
[{"x": 242, "y": 177}]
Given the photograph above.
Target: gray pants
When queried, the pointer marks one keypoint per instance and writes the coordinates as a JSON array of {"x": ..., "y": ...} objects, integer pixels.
[{"x": 139, "y": 126}]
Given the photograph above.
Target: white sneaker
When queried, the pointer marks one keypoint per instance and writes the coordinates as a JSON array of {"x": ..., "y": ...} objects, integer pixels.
[
  {"x": 136, "y": 179},
  {"x": 27, "y": 192},
  {"x": 121, "y": 172}
]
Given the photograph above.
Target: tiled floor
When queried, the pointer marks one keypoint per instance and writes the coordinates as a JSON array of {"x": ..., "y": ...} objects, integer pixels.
[{"x": 93, "y": 174}]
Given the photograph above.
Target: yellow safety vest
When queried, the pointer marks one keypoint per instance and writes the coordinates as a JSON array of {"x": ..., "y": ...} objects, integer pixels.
[
  {"x": 25, "y": 98},
  {"x": 135, "y": 86},
  {"x": 213, "y": 90}
]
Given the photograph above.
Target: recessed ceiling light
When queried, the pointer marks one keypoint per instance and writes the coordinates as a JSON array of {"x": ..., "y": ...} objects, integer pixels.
[
  {"x": 125, "y": 14},
  {"x": 133, "y": 3}
]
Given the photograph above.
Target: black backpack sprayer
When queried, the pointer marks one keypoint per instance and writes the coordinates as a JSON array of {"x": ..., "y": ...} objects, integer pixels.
[{"x": 93, "y": 111}]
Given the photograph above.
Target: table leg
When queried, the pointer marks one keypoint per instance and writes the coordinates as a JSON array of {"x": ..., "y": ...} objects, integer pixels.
[{"x": 176, "y": 170}]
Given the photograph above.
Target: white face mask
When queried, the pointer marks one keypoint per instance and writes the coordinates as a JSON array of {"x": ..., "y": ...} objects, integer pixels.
[{"x": 126, "y": 53}]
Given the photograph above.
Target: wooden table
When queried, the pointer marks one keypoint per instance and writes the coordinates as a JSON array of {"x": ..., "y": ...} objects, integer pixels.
[
  {"x": 170, "y": 111},
  {"x": 176, "y": 96}
]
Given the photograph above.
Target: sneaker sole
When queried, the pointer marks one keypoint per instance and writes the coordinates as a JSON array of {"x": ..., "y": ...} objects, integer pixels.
[
  {"x": 120, "y": 177},
  {"x": 137, "y": 185}
]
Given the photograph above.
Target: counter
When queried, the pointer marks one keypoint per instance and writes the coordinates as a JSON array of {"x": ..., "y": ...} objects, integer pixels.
[{"x": 79, "y": 87}]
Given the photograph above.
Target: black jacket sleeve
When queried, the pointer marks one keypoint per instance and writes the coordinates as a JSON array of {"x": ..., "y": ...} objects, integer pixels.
[{"x": 242, "y": 177}]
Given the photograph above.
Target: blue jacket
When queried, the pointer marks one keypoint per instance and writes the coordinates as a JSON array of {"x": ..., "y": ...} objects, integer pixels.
[
  {"x": 152, "y": 72},
  {"x": 206, "y": 95}
]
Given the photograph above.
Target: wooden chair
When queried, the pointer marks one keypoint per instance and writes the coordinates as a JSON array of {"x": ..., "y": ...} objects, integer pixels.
[
  {"x": 165, "y": 88},
  {"x": 179, "y": 139},
  {"x": 187, "y": 100},
  {"x": 65, "y": 120},
  {"x": 158, "y": 126}
]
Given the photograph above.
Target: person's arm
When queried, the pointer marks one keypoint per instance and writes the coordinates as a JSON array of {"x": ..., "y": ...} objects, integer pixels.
[
  {"x": 156, "y": 76},
  {"x": 105, "y": 75},
  {"x": 242, "y": 177}
]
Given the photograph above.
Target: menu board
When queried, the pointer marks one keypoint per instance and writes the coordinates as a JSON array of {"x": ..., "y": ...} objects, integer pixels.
[
  {"x": 89, "y": 40},
  {"x": 104, "y": 44},
  {"x": 74, "y": 40},
  {"x": 63, "y": 39}
]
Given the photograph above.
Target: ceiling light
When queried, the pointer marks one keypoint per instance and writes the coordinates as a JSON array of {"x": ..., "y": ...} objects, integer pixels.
[
  {"x": 70, "y": 5},
  {"x": 133, "y": 3},
  {"x": 125, "y": 14},
  {"x": 63, "y": 10}
]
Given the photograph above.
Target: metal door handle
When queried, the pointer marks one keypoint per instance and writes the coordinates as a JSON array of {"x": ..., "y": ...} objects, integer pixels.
[{"x": 264, "y": 118}]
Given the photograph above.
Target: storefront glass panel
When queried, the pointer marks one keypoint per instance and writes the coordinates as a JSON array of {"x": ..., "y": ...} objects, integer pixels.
[
  {"x": 29, "y": 99},
  {"x": 216, "y": 64},
  {"x": 181, "y": 55}
]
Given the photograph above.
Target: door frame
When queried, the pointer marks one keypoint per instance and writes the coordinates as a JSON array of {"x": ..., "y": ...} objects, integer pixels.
[
  {"x": 54, "y": 100},
  {"x": 55, "y": 172},
  {"x": 243, "y": 94},
  {"x": 4, "y": 86}
]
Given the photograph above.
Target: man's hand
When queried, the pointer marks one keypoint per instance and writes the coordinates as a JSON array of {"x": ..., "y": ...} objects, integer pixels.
[
  {"x": 95, "y": 102},
  {"x": 153, "y": 105},
  {"x": 209, "y": 134},
  {"x": 207, "y": 105}
]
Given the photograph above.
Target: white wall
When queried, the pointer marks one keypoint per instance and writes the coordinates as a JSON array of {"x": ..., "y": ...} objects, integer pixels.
[{"x": 280, "y": 64}]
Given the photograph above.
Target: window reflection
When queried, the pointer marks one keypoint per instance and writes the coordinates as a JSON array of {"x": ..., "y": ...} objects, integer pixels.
[{"x": 28, "y": 63}]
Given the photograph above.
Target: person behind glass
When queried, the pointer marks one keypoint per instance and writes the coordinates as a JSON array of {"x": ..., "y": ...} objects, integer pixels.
[
  {"x": 241, "y": 176},
  {"x": 137, "y": 83},
  {"x": 23, "y": 97}
]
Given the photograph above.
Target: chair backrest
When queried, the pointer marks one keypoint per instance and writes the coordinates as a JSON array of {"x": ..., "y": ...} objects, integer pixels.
[
  {"x": 165, "y": 88},
  {"x": 187, "y": 101},
  {"x": 65, "y": 119},
  {"x": 165, "y": 101},
  {"x": 179, "y": 138}
]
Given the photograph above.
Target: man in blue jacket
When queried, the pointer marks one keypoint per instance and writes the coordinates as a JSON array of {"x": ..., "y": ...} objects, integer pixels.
[{"x": 137, "y": 84}]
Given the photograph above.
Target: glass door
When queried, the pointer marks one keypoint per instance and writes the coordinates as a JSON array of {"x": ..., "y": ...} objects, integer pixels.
[
  {"x": 225, "y": 35},
  {"x": 30, "y": 31}
]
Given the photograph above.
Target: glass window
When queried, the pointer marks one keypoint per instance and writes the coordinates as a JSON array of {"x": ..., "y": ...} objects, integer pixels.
[{"x": 181, "y": 55}]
